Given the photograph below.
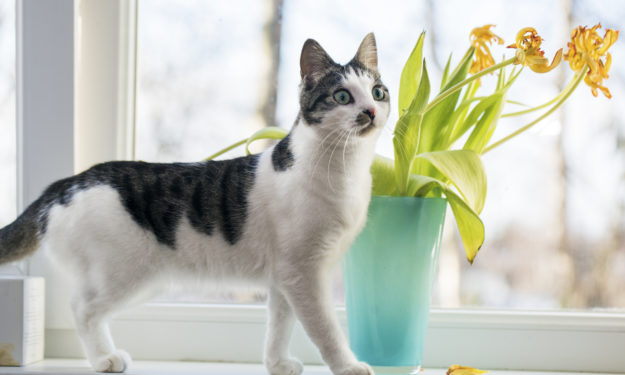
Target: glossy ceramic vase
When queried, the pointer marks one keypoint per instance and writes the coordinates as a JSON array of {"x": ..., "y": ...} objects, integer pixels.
[{"x": 388, "y": 275}]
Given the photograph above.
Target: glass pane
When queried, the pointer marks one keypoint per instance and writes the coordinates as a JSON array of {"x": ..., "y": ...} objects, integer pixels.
[
  {"x": 202, "y": 70},
  {"x": 555, "y": 212},
  {"x": 554, "y": 215},
  {"x": 200, "y": 76}
]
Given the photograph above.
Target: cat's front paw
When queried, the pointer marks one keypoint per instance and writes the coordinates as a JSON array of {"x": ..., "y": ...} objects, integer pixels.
[
  {"x": 117, "y": 361},
  {"x": 358, "y": 368},
  {"x": 288, "y": 366}
]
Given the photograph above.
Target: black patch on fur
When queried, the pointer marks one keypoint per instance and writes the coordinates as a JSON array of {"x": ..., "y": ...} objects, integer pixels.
[
  {"x": 282, "y": 158},
  {"x": 236, "y": 182},
  {"x": 316, "y": 98},
  {"x": 20, "y": 238},
  {"x": 157, "y": 197}
]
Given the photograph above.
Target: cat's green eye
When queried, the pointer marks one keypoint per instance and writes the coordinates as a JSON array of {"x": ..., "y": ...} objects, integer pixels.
[
  {"x": 342, "y": 97},
  {"x": 378, "y": 93}
]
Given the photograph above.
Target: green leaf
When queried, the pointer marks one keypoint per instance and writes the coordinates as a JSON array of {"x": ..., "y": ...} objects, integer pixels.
[
  {"x": 270, "y": 132},
  {"x": 485, "y": 126},
  {"x": 411, "y": 76},
  {"x": 464, "y": 169},
  {"x": 476, "y": 113},
  {"x": 407, "y": 133},
  {"x": 436, "y": 120},
  {"x": 501, "y": 78},
  {"x": 423, "y": 186},
  {"x": 460, "y": 115},
  {"x": 469, "y": 224},
  {"x": 518, "y": 103},
  {"x": 383, "y": 176},
  {"x": 445, "y": 73},
  {"x": 461, "y": 70}
]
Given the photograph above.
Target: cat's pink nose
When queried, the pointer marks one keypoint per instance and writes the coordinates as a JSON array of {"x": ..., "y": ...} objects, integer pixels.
[{"x": 370, "y": 112}]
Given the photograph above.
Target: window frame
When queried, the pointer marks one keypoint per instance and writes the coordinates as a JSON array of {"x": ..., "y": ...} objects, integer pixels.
[{"x": 48, "y": 109}]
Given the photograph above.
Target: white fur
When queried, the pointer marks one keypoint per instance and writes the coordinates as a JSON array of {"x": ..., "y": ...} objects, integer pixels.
[{"x": 300, "y": 223}]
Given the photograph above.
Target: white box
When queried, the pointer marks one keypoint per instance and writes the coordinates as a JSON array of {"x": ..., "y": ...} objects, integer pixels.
[{"x": 21, "y": 320}]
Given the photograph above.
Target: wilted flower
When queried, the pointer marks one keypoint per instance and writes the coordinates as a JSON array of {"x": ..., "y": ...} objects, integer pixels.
[
  {"x": 463, "y": 370},
  {"x": 588, "y": 48},
  {"x": 528, "y": 51},
  {"x": 480, "y": 38}
]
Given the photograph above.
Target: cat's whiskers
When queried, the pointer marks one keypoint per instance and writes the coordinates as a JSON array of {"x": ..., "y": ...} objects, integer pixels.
[
  {"x": 324, "y": 150},
  {"x": 343, "y": 133},
  {"x": 349, "y": 134}
]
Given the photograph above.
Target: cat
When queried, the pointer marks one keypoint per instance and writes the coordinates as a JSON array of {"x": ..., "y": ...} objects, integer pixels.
[{"x": 282, "y": 218}]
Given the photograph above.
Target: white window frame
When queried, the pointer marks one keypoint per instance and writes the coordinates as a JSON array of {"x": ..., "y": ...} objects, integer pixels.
[{"x": 54, "y": 141}]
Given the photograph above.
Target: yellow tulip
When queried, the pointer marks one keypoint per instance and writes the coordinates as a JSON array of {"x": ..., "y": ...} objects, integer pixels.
[
  {"x": 480, "y": 38},
  {"x": 588, "y": 48},
  {"x": 528, "y": 52}
]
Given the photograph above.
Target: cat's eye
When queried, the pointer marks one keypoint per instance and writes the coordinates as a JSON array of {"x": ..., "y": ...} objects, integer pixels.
[
  {"x": 378, "y": 93},
  {"x": 342, "y": 97}
]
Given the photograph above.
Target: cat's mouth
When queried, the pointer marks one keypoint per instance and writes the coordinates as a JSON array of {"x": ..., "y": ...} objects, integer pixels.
[
  {"x": 365, "y": 120},
  {"x": 366, "y": 128}
]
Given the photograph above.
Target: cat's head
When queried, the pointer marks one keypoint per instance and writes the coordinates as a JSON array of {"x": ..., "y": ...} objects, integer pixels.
[{"x": 343, "y": 99}]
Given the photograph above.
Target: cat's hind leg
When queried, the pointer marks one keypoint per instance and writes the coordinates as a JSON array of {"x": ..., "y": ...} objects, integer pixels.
[
  {"x": 92, "y": 310},
  {"x": 279, "y": 328}
]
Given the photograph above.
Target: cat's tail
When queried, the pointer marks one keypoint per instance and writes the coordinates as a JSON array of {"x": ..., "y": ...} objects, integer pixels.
[{"x": 20, "y": 238}]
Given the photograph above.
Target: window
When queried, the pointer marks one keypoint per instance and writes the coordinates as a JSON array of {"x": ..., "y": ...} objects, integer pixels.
[
  {"x": 526, "y": 191},
  {"x": 7, "y": 115},
  {"x": 198, "y": 92}
]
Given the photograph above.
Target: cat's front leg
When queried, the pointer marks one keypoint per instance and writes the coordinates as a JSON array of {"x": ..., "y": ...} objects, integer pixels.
[
  {"x": 279, "y": 328},
  {"x": 309, "y": 295}
]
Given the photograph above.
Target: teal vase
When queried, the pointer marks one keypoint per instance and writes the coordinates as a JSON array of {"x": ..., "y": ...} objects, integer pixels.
[{"x": 388, "y": 275}]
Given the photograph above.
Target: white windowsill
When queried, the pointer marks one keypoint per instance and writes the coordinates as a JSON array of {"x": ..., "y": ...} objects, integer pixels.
[{"x": 81, "y": 367}]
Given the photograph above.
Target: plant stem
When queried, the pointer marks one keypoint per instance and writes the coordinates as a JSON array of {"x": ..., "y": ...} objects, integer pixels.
[
  {"x": 223, "y": 151},
  {"x": 443, "y": 95},
  {"x": 568, "y": 92},
  {"x": 547, "y": 104}
]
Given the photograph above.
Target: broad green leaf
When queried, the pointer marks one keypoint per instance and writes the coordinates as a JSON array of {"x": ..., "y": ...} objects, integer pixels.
[
  {"x": 464, "y": 169},
  {"x": 383, "y": 176},
  {"x": 469, "y": 223},
  {"x": 270, "y": 132},
  {"x": 436, "y": 120},
  {"x": 424, "y": 186},
  {"x": 407, "y": 132},
  {"x": 411, "y": 76}
]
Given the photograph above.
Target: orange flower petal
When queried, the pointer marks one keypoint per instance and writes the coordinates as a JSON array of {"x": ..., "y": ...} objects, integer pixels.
[
  {"x": 463, "y": 370},
  {"x": 588, "y": 48},
  {"x": 543, "y": 67}
]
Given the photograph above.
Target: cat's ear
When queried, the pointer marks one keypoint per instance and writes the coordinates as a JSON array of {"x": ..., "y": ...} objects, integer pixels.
[
  {"x": 314, "y": 60},
  {"x": 367, "y": 53}
]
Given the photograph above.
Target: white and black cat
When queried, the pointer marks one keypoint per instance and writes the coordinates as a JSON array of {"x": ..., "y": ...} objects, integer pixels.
[{"x": 281, "y": 219}]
